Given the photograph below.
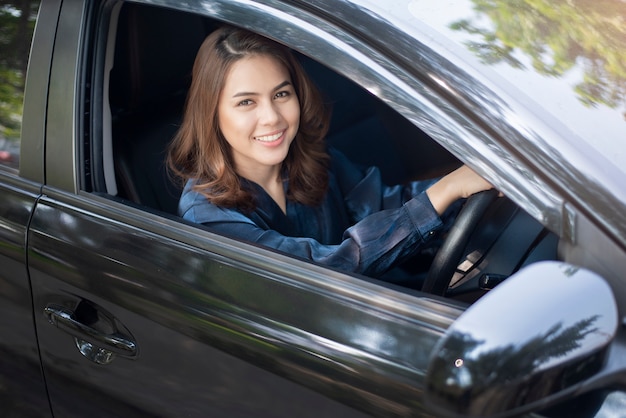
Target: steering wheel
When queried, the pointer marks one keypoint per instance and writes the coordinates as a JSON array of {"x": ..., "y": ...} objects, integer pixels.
[{"x": 447, "y": 258}]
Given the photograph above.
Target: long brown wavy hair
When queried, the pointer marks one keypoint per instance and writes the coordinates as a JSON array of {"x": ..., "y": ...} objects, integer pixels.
[{"x": 199, "y": 151}]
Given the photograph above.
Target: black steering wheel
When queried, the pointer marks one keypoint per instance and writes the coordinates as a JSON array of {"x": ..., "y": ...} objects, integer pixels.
[{"x": 445, "y": 262}]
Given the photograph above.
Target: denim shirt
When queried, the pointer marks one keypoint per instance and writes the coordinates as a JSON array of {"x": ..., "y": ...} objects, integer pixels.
[{"x": 362, "y": 225}]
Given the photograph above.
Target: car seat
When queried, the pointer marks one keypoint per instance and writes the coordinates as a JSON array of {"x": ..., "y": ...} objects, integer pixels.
[{"x": 154, "y": 53}]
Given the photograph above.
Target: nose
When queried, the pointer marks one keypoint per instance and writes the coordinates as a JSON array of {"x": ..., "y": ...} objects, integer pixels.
[{"x": 269, "y": 114}]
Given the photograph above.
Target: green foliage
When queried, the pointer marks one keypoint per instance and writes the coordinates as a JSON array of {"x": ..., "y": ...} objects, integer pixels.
[
  {"x": 17, "y": 22},
  {"x": 556, "y": 36},
  {"x": 11, "y": 98}
]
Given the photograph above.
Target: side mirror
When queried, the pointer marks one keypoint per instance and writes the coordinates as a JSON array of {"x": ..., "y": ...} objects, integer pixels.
[{"x": 525, "y": 345}]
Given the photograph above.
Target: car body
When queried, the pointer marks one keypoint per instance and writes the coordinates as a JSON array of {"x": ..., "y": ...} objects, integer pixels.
[{"x": 112, "y": 305}]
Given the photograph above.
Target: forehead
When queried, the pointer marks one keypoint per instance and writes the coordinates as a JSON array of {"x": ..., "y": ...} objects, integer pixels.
[{"x": 255, "y": 73}]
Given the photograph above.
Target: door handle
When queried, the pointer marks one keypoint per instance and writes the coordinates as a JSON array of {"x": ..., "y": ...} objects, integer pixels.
[{"x": 107, "y": 344}]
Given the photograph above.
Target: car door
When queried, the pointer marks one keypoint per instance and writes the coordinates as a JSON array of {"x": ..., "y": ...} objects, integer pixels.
[
  {"x": 22, "y": 388},
  {"x": 140, "y": 314}
]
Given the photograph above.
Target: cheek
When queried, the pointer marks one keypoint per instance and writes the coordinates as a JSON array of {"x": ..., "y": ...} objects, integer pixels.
[
  {"x": 294, "y": 114},
  {"x": 222, "y": 120},
  {"x": 232, "y": 123}
]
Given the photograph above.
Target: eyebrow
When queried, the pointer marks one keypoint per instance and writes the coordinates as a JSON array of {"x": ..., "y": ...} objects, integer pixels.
[{"x": 248, "y": 93}]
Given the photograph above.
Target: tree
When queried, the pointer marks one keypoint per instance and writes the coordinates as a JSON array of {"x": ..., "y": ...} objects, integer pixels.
[{"x": 17, "y": 22}]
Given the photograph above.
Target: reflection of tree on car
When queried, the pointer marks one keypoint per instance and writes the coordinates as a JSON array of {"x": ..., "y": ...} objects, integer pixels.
[
  {"x": 556, "y": 37},
  {"x": 476, "y": 378}
]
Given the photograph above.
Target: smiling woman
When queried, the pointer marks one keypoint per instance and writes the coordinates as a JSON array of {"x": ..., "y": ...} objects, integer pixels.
[
  {"x": 259, "y": 116},
  {"x": 216, "y": 151},
  {"x": 245, "y": 174}
]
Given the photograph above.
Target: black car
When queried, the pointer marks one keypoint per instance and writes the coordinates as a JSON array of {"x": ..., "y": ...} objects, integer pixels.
[{"x": 112, "y": 305}]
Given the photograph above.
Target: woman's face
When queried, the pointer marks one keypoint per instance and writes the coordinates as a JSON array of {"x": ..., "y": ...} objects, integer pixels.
[{"x": 258, "y": 114}]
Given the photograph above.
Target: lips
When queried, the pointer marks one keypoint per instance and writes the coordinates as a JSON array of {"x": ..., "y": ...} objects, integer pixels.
[{"x": 269, "y": 138}]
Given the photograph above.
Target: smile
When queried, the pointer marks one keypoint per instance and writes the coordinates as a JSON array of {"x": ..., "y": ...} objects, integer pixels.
[{"x": 269, "y": 138}]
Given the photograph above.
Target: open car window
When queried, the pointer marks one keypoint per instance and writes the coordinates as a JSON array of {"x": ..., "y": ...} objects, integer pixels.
[
  {"x": 149, "y": 55},
  {"x": 149, "y": 79}
]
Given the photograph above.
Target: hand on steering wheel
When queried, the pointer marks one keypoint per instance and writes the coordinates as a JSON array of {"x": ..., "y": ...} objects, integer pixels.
[{"x": 445, "y": 262}]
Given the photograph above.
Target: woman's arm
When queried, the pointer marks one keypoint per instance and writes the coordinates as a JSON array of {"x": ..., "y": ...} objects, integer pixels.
[
  {"x": 461, "y": 183},
  {"x": 370, "y": 247}
]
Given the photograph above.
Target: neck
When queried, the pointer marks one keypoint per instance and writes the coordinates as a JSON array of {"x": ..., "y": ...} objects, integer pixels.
[
  {"x": 277, "y": 193},
  {"x": 271, "y": 181},
  {"x": 266, "y": 177}
]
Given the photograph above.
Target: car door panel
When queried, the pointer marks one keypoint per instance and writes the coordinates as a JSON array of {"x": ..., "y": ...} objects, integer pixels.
[
  {"x": 22, "y": 390},
  {"x": 90, "y": 260},
  {"x": 22, "y": 387},
  {"x": 220, "y": 327}
]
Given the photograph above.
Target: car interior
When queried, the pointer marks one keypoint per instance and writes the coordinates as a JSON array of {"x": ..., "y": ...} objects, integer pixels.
[{"x": 154, "y": 50}]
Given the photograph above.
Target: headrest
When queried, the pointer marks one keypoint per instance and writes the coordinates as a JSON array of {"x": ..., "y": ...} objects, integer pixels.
[{"x": 154, "y": 53}]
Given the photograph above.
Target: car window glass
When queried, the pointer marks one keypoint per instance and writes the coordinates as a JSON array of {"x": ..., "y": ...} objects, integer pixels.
[{"x": 17, "y": 23}]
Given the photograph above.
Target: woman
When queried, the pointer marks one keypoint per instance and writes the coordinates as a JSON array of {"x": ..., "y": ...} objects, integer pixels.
[{"x": 251, "y": 150}]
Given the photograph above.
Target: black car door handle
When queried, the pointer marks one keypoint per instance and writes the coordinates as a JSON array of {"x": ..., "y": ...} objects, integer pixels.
[{"x": 64, "y": 319}]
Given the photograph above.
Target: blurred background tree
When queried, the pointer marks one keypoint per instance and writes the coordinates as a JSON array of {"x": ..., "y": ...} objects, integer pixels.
[
  {"x": 556, "y": 36},
  {"x": 17, "y": 21}
]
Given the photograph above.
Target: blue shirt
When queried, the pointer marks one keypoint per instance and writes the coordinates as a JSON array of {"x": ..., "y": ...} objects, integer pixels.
[{"x": 362, "y": 225}]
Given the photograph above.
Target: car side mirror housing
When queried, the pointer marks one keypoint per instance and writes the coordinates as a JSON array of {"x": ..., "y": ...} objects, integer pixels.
[{"x": 525, "y": 345}]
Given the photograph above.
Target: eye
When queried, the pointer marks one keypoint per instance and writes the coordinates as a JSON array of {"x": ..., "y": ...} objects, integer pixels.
[
  {"x": 246, "y": 102},
  {"x": 282, "y": 94}
]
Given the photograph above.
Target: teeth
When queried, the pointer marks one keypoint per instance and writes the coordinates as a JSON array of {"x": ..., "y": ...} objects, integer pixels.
[{"x": 268, "y": 138}]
